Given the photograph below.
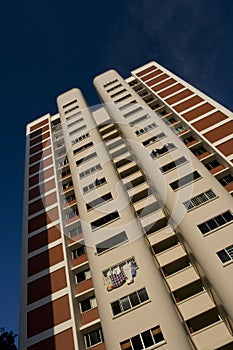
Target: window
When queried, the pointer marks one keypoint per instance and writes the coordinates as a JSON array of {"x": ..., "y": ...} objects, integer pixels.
[
  {"x": 85, "y": 159},
  {"x": 212, "y": 165},
  {"x": 160, "y": 151},
  {"x": 199, "y": 200},
  {"x": 123, "y": 98},
  {"x": 185, "y": 180},
  {"x": 111, "y": 242},
  {"x": 73, "y": 116},
  {"x": 189, "y": 139},
  {"x": 129, "y": 301},
  {"x": 69, "y": 103},
  {"x": 153, "y": 139},
  {"x": 80, "y": 149},
  {"x": 96, "y": 183},
  {"x": 93, "y": 338},
  {"x": 127, "y": 105},
  {"x": 69, "y": 199},
  {"x": 145, "y": 129},
  {"x": 197, "y": 151},
  {"x": 104, "y": 220},
  {"x": 133, "y": 82},
  {"x": 75, "y": 122},
  {"x": 78, "y": 252},
  {"x": 138, "y": 109},
  {"x": 71, "y": 109},
  {"x": 77, "y": 130},
  {"x": 226, "y": 254},
  {"x": 75, "y": 231},
  {"x": 71, "y": 214},
  {"x": 83, "y": 276},
  {"x": 216, "y": 222},
  {"x": 139, "y": 120},
  {"x": 178, "y": 129},
  {"x": 173, "y": 164},
  {"x": 226, "y": 180},
  {"x": 90, "y": 171},
  {"x": 118, "y": 93},
  {"x": 110, "y": 83},
  {"x": 143, "y": 340},
  {"x": 80, "y": 138},
  {"x": 99, "y": 201},
  {"x": 88, "y": 304},
  {"x": 114, "y": 87}
]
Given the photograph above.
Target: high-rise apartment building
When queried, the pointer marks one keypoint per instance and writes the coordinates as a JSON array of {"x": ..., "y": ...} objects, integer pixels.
[{"x": 128, "y": 219}]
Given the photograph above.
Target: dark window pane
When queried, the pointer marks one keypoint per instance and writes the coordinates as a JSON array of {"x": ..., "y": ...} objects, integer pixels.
[
  {"x": 220, "y": 220},
  {"x": 228, "y": 216},
  {"x": 116, "y": 309},
  {"x": 143, "y": 296},
  {"x": 203, "y": 228},
  {"x": 95, "y": 337},
  {"x": 137, "y": 343},
  {"x": 134, "y": 299},
  {"x": 223, "y": 256},
  {"x": 147, "y": 339},
  {"x": 212, "y": 224},
  {"x": 125, "y": 303}
]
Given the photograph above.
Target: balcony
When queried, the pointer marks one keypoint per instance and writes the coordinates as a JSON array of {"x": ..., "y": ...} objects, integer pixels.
[
  {"x": 165, "y": 244},
  {"x": 161, "y": 236},
  {"x": 134, "y": 183},
  {"x": 173, "y": 254},
  {"x": 195, "y": 305},
  {"x": 84, "y": 286},
  {"x": 129, "y": 171},
  {"x": 89, "y": 316},
  {"x": 158, "y": 225},
  {"x": 212, "y": 337},
  {"x": 182, "y": 278}
]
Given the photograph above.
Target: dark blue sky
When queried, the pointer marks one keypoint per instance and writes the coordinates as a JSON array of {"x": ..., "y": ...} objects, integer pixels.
[{"x": 48, "y": 47}]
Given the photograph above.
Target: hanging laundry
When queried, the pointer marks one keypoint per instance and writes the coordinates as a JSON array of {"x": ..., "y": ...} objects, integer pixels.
[
  {"x": 133, "y": 269},
  {"x": 118, "y": 277},
  {"x": 127, "y": 270}
]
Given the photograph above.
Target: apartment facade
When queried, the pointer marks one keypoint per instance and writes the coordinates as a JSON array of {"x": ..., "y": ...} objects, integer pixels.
[{"x": 128, "y": 214}]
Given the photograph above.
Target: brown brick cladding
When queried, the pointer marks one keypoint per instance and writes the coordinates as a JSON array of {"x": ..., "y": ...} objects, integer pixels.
[
  {"x": 157, "y": 80},
  {"x": 39, "y": 125},
  {"x": 178, "y": 97},
  {"x": 43, "y": 188},
  {"x": 198, "y": 111},
  {"x": 42, "y": 203},
  {"x": 226, "y": 147},
  {"x": 40, "y": 155},
  {"x": 44, "y": 238},
  {"x": 40, "y": 146},
  {"x": 220, "y": 132},
  {"x": 163, "y": 85},
  {"x": 60, "y": 341},
  {"x": 42, "y": 220},
  {"x": 41, "y": 177},
  {"x": 145, "y": 71},
  {"x": 152, "y": 75},
  {"x": 43, "y": 164},
  {"x": 46, "y": 285},
  {"x": 39, "y": 138},
  {"x": 38, "y": 132},
  {"x": 211, "y": 120},
  {"x": 170, "y": 90},
  {"x": 48, "y": 316},
  {"x": 188, "y": 104},
  {"x": 45, "y": 260}
]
